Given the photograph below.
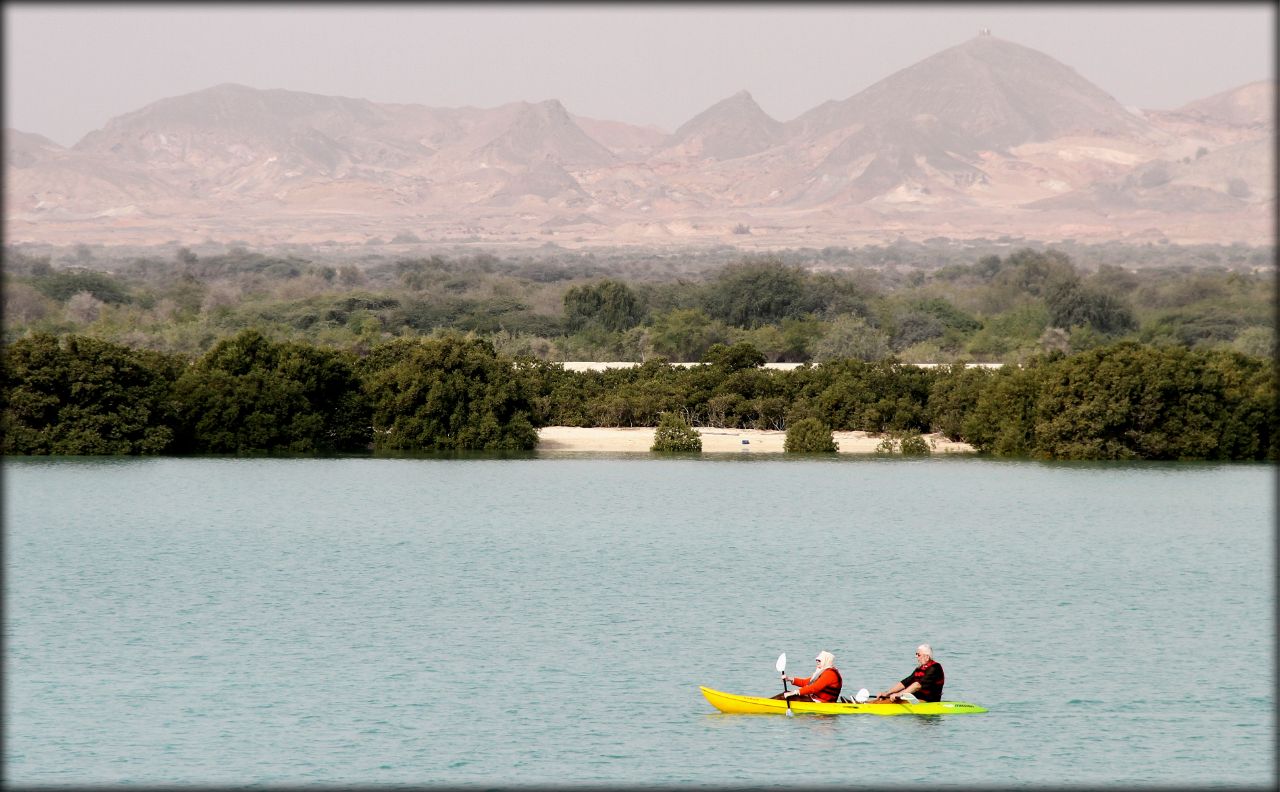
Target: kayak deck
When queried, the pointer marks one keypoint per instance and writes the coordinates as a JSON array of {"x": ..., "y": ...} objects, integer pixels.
[{"x": 754, "y": 705}]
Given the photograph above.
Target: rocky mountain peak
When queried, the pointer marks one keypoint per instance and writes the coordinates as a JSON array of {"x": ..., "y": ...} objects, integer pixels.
[
  {"x": 546, "y": 131},
  {"x": 994, "y": 92},
  {"x": 731, "y": 128}
]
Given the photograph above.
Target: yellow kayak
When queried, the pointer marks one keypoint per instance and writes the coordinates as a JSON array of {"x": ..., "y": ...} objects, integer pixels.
[{"x": 754, "y": 705}]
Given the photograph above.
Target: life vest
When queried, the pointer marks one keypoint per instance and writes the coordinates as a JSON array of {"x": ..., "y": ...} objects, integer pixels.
[
  {"x": 830, "y": 692},
  {"x": 929, "y": 694}
]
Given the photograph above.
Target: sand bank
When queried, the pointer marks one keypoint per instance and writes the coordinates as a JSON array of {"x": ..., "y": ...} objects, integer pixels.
[{"x": 738, "y": 441}]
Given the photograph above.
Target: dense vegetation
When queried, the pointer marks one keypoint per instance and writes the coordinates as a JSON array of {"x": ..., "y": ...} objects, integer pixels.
[
  {"x": 809, "y": 436},
  {"x": 1153, "y": 352},
  {"x": 251, "y": 394},
  {"x": 933, "y": 303}
]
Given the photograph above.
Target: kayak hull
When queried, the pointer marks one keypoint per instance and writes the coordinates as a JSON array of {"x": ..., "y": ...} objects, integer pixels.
[{"x": 754, "y": 705}]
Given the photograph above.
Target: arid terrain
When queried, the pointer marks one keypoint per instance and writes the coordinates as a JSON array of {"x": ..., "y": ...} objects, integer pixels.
[{"x": 987, "y": 138}]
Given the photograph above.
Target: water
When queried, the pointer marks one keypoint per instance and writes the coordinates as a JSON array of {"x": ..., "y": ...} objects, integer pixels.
[{"x": 548, "y": 621}]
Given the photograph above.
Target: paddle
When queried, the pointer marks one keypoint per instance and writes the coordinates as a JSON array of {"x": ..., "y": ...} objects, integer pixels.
[{"x": 781, "y": 666}]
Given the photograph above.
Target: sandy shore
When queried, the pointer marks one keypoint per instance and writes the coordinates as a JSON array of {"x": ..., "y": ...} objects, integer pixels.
[{"x": 610, "y": 439}]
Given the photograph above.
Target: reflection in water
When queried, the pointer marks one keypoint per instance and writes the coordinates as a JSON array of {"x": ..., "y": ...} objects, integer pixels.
[{"x": 927, "y": 721}]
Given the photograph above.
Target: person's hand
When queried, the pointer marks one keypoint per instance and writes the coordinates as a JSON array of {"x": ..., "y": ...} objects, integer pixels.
[{"x": 792, "y": 693}]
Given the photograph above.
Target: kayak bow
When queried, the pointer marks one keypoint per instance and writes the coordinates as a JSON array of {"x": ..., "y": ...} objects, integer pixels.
[{"x": 754, "y": 705}]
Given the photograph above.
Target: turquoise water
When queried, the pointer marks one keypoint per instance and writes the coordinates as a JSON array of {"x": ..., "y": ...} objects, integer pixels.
[{"x": 549, "y": 620}]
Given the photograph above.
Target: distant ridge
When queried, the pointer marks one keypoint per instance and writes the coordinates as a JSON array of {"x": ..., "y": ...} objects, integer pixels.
[
  {"x": 1249, "y": 105},
  {"x": 984, "y": 139},
  {"x": 234, "y": 109}
]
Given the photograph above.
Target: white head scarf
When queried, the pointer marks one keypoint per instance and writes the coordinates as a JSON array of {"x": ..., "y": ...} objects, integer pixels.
[
  {"x": 825, "y": 660},
  {"x": 926, "y": 650}
]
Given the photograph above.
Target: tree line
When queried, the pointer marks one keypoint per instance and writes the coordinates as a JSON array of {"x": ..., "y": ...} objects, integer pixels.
[
  {"x": 251, "y": 394},
  {"x": 909, "y": 303}
]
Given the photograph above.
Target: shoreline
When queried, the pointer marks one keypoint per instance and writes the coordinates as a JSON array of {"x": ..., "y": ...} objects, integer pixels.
[{"x": 612, "y": 439}]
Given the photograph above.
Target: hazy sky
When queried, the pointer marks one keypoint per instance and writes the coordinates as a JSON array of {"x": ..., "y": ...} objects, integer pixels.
[{"x": 70, "y": 68}]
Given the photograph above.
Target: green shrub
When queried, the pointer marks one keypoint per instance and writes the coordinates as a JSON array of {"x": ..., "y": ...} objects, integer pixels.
[
  {"x": 675, "y": 434},
  {"x": 81, "y": 395},
  {"x": 914, "y": 445},
  {"x": 809, "y": 436},
  {"x": 450, "y": 393},
  {"x": 250, "y": 395},
  {"x": 904, "y": 442}
]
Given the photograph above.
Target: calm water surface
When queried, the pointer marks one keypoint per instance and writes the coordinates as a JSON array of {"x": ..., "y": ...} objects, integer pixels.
[{"x": 549, "y": 620}]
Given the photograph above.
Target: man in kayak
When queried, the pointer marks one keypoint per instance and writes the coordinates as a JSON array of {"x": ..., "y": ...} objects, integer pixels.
[
  {"x": 925, "y": 682},
  {"x": 823, "y": 685}
]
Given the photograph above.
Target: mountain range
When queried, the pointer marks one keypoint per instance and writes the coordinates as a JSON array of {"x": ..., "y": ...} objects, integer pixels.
[{"x": 984, "y": 139}]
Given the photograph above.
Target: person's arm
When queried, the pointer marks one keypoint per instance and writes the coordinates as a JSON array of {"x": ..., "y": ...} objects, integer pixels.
[
  {"x": 886, "y": 693},
  {"x": 912, "y": 688},
  {"x": 798, "y": 681},
  {"x": 818, "y": 683},
  {"x": 898, "y": 686}
]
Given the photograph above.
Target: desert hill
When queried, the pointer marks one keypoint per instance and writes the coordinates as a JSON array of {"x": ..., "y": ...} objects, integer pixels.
[
  {"x": 24, "y": 149},
  {"x": 734, "y": 127},
  {"x": 992, "y": 93},
  {"x": 545, "y": 132},
  {"x": 931, "y": 129},
  {"x": 1241, "y": 114},
  {"x": 1224, "y": 180},
  {"x": 1248, "y": 105},
  {"x": 986, "y": 138}
]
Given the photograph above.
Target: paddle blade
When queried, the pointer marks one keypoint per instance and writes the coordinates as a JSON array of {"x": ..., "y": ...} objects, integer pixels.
[{"x": 862, "y": 695}]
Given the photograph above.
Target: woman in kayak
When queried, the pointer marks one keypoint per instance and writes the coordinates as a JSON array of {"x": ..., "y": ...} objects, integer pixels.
[
  {"x": 925, "y": 682},
  {"x": 823, "y": 685}
]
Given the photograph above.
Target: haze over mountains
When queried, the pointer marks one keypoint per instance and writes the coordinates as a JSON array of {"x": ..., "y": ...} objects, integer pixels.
[{"x": 984, "y": 139}]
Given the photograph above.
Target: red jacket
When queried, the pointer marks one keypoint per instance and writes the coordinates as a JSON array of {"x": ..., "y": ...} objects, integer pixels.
[{"x": 825, "y": 688}]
